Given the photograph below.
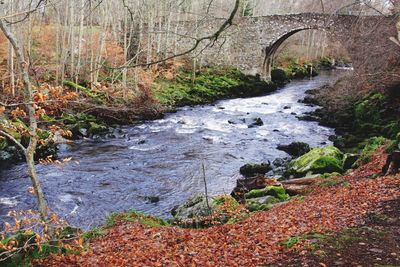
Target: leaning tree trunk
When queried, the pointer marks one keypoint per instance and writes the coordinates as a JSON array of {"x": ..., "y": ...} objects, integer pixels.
[{"x": 29, "y": 102}]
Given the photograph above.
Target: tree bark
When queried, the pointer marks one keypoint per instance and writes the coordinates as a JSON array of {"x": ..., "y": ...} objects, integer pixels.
[{"x": 28, "y": 93}]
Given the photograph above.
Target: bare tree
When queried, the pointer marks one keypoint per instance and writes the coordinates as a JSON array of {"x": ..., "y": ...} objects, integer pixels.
[{"x": 30, "y": 106}]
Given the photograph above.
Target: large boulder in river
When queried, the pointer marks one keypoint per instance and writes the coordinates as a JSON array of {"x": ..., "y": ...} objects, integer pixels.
[
  {"x": 295, "y": 149},
  {"x": 250, "y": 170},
  {"x": 318, "y": 161}
]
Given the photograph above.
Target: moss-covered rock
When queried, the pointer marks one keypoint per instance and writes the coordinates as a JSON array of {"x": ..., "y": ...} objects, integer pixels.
[
  {"x": 196, "y": 206},
  {"x": 83, "y": 124},
  {"x": 197, "y": 213},
  {"x": 263, "y": 199},
  {"x": 319, "y": 160},
  {"x": 274, "y": 191},
  {"x": 298, "y": 71}
]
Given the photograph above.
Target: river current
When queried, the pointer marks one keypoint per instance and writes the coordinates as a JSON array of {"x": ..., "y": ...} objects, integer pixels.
[{"x": 156, "y": 165}]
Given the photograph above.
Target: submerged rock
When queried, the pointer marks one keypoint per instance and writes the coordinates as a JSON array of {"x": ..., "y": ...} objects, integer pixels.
[
  {"x": 295, "y": 149},
  {"x": 318, "y": 161}
]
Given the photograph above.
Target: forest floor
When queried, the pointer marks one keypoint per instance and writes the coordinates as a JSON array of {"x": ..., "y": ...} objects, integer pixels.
[{"x": 353, "y": 221}]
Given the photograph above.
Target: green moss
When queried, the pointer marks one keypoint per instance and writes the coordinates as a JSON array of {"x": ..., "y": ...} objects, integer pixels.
[
  {"x": 291, "y": 241},
  {"x": 394, "y": 144},
  {"x": 3, "y": 143},
  {"x": 296, "y": 70},
  {"x": 254, "y": 206},
  {"x": 76, "y": 122},
  {"x": 335, "y": 182},
  {"x": 370, "y": 109},
  {"x": 279, "y": 76},
  {"x": 327, "y": 62},
  {"x": 319, "y": 160},
  {"x": 327, "y": 164},
  {"x": 255, "y": 193},
  {"x": 98, "y": 96},
  {"x": 94, "y": 233},
  {"x": 208, "y": 86},
  {"x": 329, "y": 175},
  {"x": 134, "y": 217},
  {"x": 370, "y": 145},
  {"x": 278, "y": 192},
  {"x": 25, "y": 256}
]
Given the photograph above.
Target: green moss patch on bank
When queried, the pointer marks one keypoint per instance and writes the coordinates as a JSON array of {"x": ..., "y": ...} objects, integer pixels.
[{"x": 208, "y": 86}]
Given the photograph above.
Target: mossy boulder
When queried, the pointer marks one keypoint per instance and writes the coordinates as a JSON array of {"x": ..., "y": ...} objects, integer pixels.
[
  {"x": 196, "y": 213},
  {"x": 250, "y": 170},
  {"x": 263, "y": 199},
  {"x": 82, "y": 124},
  {"x": 195, "y": 206},
  {"x": 319, "y": 160},
  {"x": 96, "y": 128},
  {"x": 274, "y": 191}
]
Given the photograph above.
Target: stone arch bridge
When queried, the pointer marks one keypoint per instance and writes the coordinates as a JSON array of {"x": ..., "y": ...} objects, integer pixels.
[{"x": 251, "y": 43}]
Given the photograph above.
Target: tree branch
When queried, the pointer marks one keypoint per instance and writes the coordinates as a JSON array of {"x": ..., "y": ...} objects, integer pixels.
[
  {"x": 15, "y": 141},
  {"x": 212, "y": 38}
]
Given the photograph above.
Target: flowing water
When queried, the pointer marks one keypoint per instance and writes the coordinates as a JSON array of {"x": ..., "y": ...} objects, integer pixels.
[{"x": 162, "y": 159}]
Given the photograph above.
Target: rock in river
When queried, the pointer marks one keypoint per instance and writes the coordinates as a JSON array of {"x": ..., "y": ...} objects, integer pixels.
[
  {"x": 250, "y": 170},
  {"x": 295, "y": 149}
]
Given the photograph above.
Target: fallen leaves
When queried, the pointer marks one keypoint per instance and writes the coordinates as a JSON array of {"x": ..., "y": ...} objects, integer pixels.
[{"x": 253, "y": 242}]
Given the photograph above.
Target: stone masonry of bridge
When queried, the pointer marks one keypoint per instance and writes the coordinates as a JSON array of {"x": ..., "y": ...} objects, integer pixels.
[{"x": 251, "y": 43}]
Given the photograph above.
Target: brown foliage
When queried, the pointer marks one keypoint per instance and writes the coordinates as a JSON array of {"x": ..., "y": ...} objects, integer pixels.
[{"x": 253, "y": 242}]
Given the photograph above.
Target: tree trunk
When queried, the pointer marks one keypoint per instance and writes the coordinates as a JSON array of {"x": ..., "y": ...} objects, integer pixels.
[
  {"x": 28, "y": 93},
  {"x": 392, "y": 164}
]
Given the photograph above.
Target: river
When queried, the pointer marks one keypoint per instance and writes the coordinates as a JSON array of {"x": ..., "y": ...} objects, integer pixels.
[{"x": 162, "y": 159}]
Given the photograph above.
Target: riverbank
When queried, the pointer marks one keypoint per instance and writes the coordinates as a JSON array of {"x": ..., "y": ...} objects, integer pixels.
[
  {"x": 262, "y": 239},
  {"x": 233, "y": 213},
  {"x": 356, "y": 116}
]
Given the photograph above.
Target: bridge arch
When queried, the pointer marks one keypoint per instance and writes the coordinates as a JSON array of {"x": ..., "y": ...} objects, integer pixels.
[{"x": 273, "y": 48}]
